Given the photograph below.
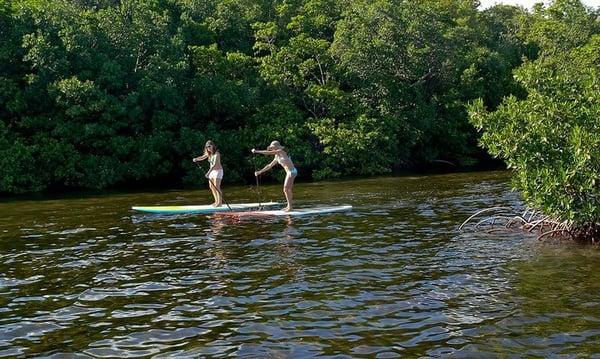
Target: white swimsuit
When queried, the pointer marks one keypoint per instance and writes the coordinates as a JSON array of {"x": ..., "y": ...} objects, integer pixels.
[
  {"x": 216, "y": 174},
  {"x": 280, "y": 159}
]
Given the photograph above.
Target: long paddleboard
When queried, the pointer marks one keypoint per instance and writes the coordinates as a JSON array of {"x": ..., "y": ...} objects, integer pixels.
[
  {"x": 294, "y": 213},
  {"x": 202, "y": 208}
]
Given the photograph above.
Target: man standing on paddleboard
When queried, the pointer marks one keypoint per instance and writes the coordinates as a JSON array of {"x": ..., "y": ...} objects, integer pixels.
[{"x": 282, "y": 158}]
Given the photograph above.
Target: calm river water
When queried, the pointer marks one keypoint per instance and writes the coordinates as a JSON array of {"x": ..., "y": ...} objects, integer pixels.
[{"x": 87, "y": 277}]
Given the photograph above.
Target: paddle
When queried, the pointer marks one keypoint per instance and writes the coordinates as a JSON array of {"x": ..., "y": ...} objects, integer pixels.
[
  {"x": 258, "y": 194},
  {"x": 210, "y": 184}
]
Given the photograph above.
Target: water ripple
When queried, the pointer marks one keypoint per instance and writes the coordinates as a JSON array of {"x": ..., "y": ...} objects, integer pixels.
[{"x": 391, "y": 279}]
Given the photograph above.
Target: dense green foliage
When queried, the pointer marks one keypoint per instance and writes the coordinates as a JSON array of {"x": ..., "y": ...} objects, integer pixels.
[
  {"x": 552, "y": 137},
  {"x": 100, "y": 93}
]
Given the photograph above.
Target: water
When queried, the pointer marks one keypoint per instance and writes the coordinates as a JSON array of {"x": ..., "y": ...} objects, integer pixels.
[{"x": 393, "y": 278}]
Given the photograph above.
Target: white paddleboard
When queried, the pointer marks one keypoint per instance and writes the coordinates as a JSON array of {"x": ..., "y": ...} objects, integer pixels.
[
  {"x": 202, "y": 208},
  {"x": 293, "y": 213}
]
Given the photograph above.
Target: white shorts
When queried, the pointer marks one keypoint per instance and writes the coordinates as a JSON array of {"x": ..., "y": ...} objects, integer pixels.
[{"x": 216, "y": 174}]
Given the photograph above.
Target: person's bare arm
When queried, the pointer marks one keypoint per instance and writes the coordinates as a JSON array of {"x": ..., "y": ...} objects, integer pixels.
[
  {"x": 200, "y": 158},
  {"x": 265, "y": 152},
  {"x": 266, "y": 168}
]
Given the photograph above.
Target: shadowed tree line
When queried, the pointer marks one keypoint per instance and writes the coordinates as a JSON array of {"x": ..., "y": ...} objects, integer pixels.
[{"x": 104, "y": 93}]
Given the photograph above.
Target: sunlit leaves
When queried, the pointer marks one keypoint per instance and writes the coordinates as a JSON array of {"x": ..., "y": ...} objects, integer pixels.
[
  {"x": 360, "y": 146},
  {"x": 551, "y": 137}
]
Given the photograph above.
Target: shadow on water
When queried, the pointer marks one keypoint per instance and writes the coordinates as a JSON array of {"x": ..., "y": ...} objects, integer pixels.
[{"x": 392, "y": 278}]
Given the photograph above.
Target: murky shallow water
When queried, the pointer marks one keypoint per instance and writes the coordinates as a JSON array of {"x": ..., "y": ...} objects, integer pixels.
[{"x": 393, "y": 278}]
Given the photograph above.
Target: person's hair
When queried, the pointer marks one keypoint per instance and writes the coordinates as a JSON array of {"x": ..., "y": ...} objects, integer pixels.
[
  {"x": 210, "y": 143},
  {"x": 278, "y": 146}
]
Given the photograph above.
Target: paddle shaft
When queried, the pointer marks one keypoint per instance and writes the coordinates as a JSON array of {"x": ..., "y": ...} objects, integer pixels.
[
  {"x": 258, "y": 194},
  {"x": 210, "y": 184}
]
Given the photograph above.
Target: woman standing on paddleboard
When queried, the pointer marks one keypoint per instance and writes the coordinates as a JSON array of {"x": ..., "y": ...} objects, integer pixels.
[
  {"x": 281, "y": 157},
  {"x": 215, "y": 172}
]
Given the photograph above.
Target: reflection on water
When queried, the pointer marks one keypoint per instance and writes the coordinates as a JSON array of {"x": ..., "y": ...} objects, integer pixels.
[{"x": 393, "y": 278}]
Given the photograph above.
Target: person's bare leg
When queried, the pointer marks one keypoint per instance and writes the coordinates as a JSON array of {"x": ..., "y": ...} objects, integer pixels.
[
  {"x": 219, "y": 200},
  {"x": 288, "y": 190},
  {"x": 213, "y": 191}
]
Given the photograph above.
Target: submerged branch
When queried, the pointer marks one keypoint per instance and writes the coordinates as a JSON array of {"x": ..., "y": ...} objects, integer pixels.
[
  {"x": 552, "y": 233},
  {"x": 480, "y": 212},
  {"x": 493, "y": 219}
]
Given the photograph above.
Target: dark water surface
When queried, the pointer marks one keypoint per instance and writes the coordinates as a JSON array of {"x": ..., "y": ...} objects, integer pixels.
[{"x": 394, "y": 278}]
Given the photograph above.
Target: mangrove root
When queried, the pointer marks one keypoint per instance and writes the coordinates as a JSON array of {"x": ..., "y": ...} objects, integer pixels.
[{"x": 497, "y": 219}]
